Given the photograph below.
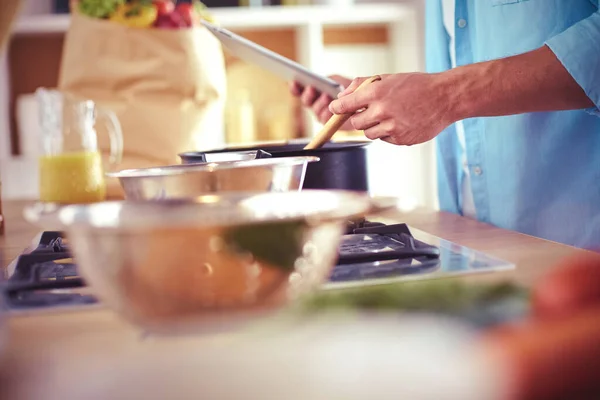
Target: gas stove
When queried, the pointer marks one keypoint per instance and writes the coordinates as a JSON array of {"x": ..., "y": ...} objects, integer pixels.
[{"x": 45, "y": 276}]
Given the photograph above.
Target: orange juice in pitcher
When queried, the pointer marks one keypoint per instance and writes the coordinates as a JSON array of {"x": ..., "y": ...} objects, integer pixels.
[
  {"x": 71, "y": 169},
  {"x": 76, "y": 177}
]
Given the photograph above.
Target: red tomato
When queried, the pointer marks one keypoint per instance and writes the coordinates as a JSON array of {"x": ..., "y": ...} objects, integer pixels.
[
  {"x": 177, "y": 20},
  {"x": 573, "y": 285},
  {"x": 165, "y": 22},
  {"x": 549, "y": 359},
  {"x": 164, "y": 7},
  {"x": 187, "y": 12}
]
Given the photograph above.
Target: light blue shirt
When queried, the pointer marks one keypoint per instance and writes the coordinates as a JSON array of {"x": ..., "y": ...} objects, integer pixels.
[{"x": 536, "y": 173}]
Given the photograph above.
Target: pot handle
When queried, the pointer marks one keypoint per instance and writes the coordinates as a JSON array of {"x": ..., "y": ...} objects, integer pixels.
[{"x": 262, "y": 154}]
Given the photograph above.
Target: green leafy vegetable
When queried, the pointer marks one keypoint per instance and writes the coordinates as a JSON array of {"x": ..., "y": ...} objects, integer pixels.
[
  {"x": 277, "y": 243},
  {"x": 99, "y": 8},
  {"x": 444, "y": 296}
]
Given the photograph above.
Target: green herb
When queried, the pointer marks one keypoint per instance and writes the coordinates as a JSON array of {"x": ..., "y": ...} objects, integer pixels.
[
  {"x": 444, "y": 296},
  {"x": 135, "y": 10},
  {"x": 99, "y": 8},
  {"x": 278, "y": 243}
]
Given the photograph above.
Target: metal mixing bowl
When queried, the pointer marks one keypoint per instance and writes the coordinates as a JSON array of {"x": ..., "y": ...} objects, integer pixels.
[
  {"x": 191, "y": 180},
  {"x": 206, "y": 262}
]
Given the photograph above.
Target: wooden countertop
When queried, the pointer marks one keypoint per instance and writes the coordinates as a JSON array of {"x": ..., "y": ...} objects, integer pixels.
[{"x": 48, "y": 345}]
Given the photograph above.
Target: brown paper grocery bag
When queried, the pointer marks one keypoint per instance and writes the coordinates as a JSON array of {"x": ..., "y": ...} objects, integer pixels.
[{"x": 167, "y": 87}]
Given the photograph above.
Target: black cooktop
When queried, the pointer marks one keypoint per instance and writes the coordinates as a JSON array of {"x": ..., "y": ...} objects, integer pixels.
[{"x": 47, "y": 276}]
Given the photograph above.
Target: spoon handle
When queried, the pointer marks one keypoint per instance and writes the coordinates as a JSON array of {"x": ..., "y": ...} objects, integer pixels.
[{"x": 336, "y": 121}]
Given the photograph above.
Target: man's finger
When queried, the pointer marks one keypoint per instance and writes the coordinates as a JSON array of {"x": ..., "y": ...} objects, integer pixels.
[
  {"x": 379, "y": 131},
  {"x": 364, "y": 120},
  {"x": 340, "y": 79},
  {"x": 352, "y": 87},
  {"x": 321, "y": 104},
  {"x": 389, "y": 139},
  {"x": 309, "y": 96},
  {"x": 351, "y": 103},
  {"x": 295, "y": 88},
  {"x": 324, "y": 115}
]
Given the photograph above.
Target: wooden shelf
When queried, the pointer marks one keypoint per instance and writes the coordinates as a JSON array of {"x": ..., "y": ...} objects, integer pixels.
[{"x": 257, "y": 18}]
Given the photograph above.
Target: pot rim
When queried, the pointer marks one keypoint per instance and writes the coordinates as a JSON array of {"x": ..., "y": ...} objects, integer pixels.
[
  {"x": 180, "y": 169},
  {"x": 272, "y": 147}
]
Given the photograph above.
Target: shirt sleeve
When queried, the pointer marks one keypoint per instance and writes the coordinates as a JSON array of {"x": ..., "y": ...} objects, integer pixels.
[{"x": 577, "y": 48}]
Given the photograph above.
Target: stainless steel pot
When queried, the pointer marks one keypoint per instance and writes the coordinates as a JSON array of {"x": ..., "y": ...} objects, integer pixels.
[
  {"x": 342, "y": 165},
  {"x": 191, "y": 180}
]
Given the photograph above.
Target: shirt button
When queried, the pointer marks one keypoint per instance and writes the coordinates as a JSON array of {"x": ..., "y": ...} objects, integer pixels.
[
  {"x": 477, "y": 170},
  {"x": 462, "y": 23}
]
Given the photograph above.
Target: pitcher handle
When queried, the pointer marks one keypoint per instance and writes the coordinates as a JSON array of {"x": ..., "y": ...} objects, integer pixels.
[{"x": 115, "y": 134}]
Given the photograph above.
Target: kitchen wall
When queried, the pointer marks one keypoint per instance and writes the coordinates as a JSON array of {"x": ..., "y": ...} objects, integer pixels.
[
  {"x": 400, "y": 171},
  {"x": 33, "y": 7},
  {"x": 29, "y": 7},
  {"x": 18, "y": 174}
]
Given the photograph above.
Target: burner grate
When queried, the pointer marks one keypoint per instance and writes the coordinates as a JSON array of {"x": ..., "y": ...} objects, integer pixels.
[
  {"x": 53, "y": 242},
  {"x": 373, "y": 250},
  {"x": 380, "y": 242},
  {"x": 47, "y": 277}
]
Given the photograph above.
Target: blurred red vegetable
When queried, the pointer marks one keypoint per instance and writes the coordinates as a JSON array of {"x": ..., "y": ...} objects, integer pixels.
[
  {"x": 550, "y": 359},
  {"x": 556, "y": 354},
  {"x": 573, "y": 285},
  {"x": 172, "y": 20},
  {"x": 188, "y": 13},
  {"x": 164, "y": 7},
  {"x": 184, "y": 15}
]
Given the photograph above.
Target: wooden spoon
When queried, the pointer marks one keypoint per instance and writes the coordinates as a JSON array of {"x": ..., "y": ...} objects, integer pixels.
[{"x": 335, "y": 122}]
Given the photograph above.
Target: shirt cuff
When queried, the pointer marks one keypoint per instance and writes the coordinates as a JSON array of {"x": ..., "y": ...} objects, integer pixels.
[{"x": 577, "y": 49}]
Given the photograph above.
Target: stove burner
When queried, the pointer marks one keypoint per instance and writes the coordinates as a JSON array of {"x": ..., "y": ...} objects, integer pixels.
[
  {"x": 373, "y": 250},
  {"x": 371, "y": 242},
  {"x": 52, "y": 241},
  {"x": 47, "y": 276},
  {"x": 43, "y": 277}
]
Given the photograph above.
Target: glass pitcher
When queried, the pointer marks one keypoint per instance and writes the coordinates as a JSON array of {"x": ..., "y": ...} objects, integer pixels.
[{"x": 71, "y": 169}]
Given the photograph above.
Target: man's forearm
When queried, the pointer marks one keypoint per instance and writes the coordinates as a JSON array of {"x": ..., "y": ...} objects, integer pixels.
[{"x": 530, "y": 82}]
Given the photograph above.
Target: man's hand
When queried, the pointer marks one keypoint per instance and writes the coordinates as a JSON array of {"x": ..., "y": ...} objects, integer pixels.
[
  {"x": 413, "y": 108},
  {"x": 402, "y": 109},
  {"x": 310, "y": 97}
]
